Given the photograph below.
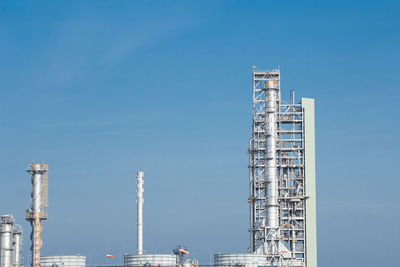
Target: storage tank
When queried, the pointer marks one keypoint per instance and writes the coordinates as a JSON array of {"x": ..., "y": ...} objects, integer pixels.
[
  {"x": 63, "y": 261},
  {"x": 134, "y": 260},
  {"x": 245, "y": 260}
]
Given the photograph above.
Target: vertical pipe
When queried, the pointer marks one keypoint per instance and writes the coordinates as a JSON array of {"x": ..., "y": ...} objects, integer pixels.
[
  {"x": 16, "y": 262},
  {"x": 36, "y": 207},
  {"x": 36, "y": 189},
  {"x": 251, "y": 173},
  {"x": 271, "y": 168},
  {"x": 251, "y": 199},
  {"x": 37, "y": 213},
  {"x": 139, "y": 201}
]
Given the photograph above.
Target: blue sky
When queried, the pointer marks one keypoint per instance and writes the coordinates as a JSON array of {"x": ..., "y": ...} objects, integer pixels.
[{"x": 102, "y": 89}]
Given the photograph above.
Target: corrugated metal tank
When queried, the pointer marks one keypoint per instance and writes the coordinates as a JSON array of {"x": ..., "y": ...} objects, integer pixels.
[
  {"x": 63, "y": 261},
  {"x": 246, "y": 260},
  {"x": 135, "y": 260}
]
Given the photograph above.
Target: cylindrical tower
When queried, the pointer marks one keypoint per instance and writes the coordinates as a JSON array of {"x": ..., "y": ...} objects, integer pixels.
[
  {"x": 6, "y": 238},
  {"x": 272, "y": 205},
  {"x": 37, "y": 211},
  {"x": 17, "y": 247},
  {"x": 139, "y": 201}
]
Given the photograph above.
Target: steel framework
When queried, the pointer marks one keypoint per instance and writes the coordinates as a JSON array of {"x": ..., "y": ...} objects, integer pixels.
[{"x": 276, "y": 172}]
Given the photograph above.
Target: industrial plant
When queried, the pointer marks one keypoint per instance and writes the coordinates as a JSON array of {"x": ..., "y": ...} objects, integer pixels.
[{"x": 282, "y": 197}]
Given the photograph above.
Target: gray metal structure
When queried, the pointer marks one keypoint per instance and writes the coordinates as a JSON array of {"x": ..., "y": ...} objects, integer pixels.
[
  {"x": 10, "y": 242},
  {"x": 282, "y": 175}
]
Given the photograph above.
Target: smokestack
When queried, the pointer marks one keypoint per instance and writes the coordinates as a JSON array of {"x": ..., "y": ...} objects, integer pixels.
[
  {"x": 139, "y": 201},
  {"x": 37, "y": 212}
]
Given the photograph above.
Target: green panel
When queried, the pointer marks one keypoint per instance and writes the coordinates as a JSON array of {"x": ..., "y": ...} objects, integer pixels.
[{"x": 311, "y": 218}]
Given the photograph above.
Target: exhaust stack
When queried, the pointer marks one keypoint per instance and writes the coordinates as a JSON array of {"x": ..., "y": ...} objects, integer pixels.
[
  {"x": 139, "y": 201},
  {"x": 36, "y": 214}
]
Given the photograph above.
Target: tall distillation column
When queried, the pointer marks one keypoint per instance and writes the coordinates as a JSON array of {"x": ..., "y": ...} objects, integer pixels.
[
  {"x": 37, "y": 213},
  {"x": 139, "y": 201},
  {"x": 271, "y": 195},
  {"x": 282, "y": 175}
]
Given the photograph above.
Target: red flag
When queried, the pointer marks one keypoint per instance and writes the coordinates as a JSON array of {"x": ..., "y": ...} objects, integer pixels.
[{"x": 110, "y": 256}]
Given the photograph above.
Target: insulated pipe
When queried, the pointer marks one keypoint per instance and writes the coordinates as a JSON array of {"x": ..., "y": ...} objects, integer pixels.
[
  {"x": 271, "y": 170},
  {"x": 139, "y": 201},
  {"x": 36, "y": 207},
  {"x": 36, "y": 188},
  {"x": 17, "y": 246},
  {"x": 271, "y": 178},
  {"x": 36, "y": 212}
]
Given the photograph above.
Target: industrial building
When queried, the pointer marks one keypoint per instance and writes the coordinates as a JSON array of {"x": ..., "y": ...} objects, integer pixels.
[
  {"x": 282, "y": 175},
  {"x": 282, "y": 195},
  {"x": 282, "y": 179}
]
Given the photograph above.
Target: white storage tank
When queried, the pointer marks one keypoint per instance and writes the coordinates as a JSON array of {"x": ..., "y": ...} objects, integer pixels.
[
  {"x": 242, "y": 260},
  {"x": 135, "y": 260},
  {"x": 63, "y": 261}
]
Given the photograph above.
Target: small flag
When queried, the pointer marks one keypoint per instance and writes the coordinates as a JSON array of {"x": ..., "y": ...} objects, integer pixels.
[
  {"x": 254, "y": 67},
  {"x": 110, "y": 256}
]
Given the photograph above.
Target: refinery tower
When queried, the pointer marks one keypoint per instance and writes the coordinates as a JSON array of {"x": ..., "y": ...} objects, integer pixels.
[
  {"x": 281, "y": 178},
  {"x": 282, "y": 175}
]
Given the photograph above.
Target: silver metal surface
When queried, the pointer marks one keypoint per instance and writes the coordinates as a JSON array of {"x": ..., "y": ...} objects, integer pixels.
[
  {"x": 36, "y": 193},
  {"x": 36, "y": 213},
  {"x": 271, "y": 195},
  {"x": 139, "y": 201},
  {"x": 150, "y": 260},
  {"x": 245, "y": 260},
  {"x": 64, "y": 261},
  {"x": 17, "y": 246},
  {"x": 6, "y": 240}
]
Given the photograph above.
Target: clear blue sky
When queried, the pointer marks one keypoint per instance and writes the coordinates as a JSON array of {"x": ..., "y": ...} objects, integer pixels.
[{"x": 102, "y": 89}]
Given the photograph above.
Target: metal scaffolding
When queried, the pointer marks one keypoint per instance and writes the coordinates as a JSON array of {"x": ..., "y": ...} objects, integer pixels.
[{"x": 277, "y": 181}]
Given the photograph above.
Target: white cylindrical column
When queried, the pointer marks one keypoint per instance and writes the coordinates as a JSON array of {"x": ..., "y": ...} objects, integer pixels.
[
  {"x": 272, "y": 222},
  {"x": 16, "y": 261},
  {"x": 36, "y": 213},
  {"x": 36, "y": 194},
  {"x": 139, "y": 201}
]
